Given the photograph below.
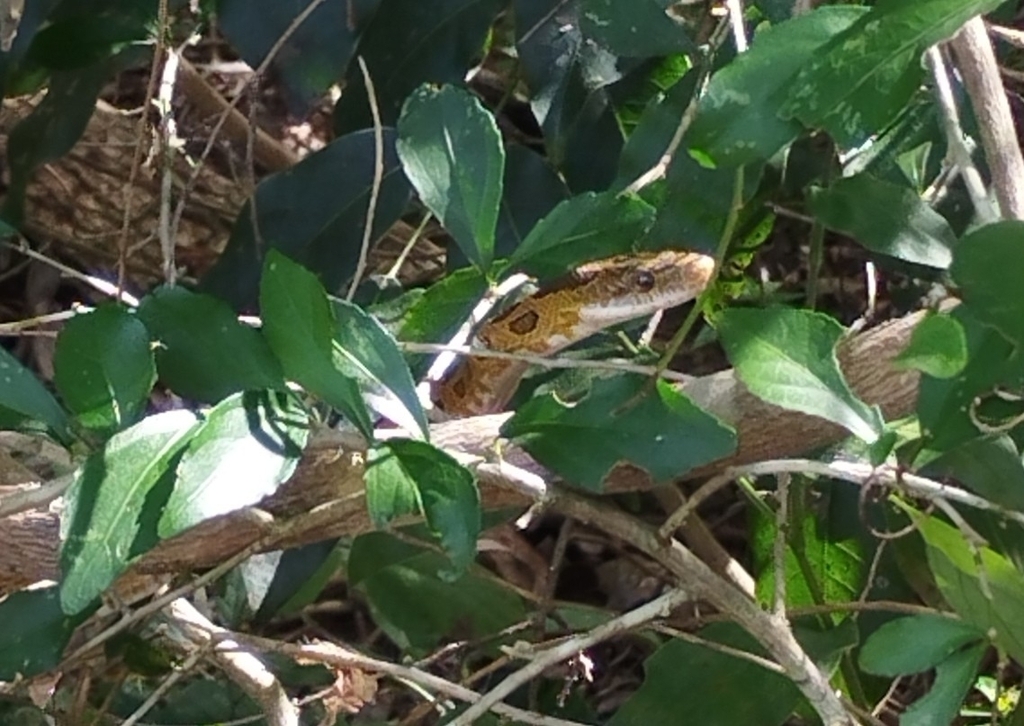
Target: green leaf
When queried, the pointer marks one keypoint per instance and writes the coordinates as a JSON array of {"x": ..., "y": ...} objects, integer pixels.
[
  {"x": 586, "y": 227},
  {"x": 914, "y": 644},
  {"x": 530, "y": 190},
  {"x": 787, "y": 358},
  {"x": 738, "y": 119},
  {"x": 247, "y": 446},
  {"x": 827, "y": 556},
  {"x": 407, "y": 43},
  {"x": 938, "y": 347},
  {"x": 393, "y": 575},
  {"x": 960, "y": 570},
  {"x": 203, "y": 351},
  {"x": 299, "y": 326},
  {"x": 989, "y": 466},
  {"x": 365, "y": 352},
  {"x": 859, "y": 82},
  {"x": 312, "y": 56},
  {"x": 944, "y": 405},
  {"x": 710, "y": 677},
  {"x": 623, "y": 419},
  {"x": 438, "y": 313},
  {"x": 22, "y": 396},
  {"x": 886, "y": 218},
  {"x": 639, "y": 29},
  {"x": 654, "y": 131},
  {"x": 568, "y": 78},
  {"x": 103, "y": 367},
  {"x": 697, "y": 204},
  {"x": 101, "y": 520},
  {"x": 35, "y": 634},
  {"x": 944, "y": 700},
  {"x": 315, "y": 213},
  {"x": 451, "y": 152},
  {"x": 411, "y": 477},
  {"x": 988, "y": 268},
  {"x": 51, "y": 129}
]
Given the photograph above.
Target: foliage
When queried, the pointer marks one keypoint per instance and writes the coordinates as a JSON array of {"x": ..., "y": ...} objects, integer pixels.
[{"x": 828, "y": 114}]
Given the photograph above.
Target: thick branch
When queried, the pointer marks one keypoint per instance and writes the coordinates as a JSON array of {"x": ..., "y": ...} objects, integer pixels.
[{"x": 325, "y": 496}]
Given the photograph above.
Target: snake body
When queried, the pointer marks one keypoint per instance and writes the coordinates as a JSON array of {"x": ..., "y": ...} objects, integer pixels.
[{"x": 595, "y": 296}]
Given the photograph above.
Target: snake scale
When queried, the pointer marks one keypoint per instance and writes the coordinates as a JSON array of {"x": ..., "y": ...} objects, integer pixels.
[{"x": 595, "y": 296}]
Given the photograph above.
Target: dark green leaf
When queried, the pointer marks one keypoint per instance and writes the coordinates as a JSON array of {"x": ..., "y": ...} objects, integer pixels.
[
  {"x": 886, "y": 218},
  {"x": 451, "y": 152},
  {"x": 406, "y": 477},
  {"x": 407, "y": 43},
  {"x": 654, "y": 131},
  {"x": 568, "y": 79},
  {"x": 585, "y": 227},
  {"x": 944, "y": 405},
  {"x": 365, "y": 352},
  {"x": 203, "y": 351},
  {"x": 623, "y": 419},
  {"x": 738, "y": 119},
  {"x": 247, "y": 446},
  {"x": 989, "y": 466},
  {"x": 914, "y": 644},
  {"x": 103, "y": 505},
  {"x": 315, "y": 213},
  {"x": 953, "y": 679},
  {"x": 103, "y": 367},
  {"x": 988, "y": 267},
  {"x": 531, "y": 189},
  {"x": 638, "y": 29},
  {"x": 864, "y": 76},
  {"x": 299, "y": 326},
  {"x": 787, "y": 358},
  {"x": 50, "y": 130},
  {"x": 35, "y": 633},
  {"x": 313, "y": 56},
  {"x": 938, "y": 347},
  {"x": 81, "y": 34},
  {"x": 438, "y": 313},
  {"x": 393, "y": 578},
  {"x": 22, "y": 396},
  {"x": 697, "y": 204},
  {"x": 709, "y": 677}
]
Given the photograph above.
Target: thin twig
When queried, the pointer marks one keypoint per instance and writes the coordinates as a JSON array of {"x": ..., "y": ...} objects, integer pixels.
[
  {"x": 226, "y": 113},
  {"x": 539, "y": 662},
  {"x": 781, "y": 544},
  {"x": 378, "y": 178},
  {"x": 958, "y": 150},
  {"x": 140, "y": 133},
  {"x": 168, "y": 138},
  {"x": 621, "y": 366}
]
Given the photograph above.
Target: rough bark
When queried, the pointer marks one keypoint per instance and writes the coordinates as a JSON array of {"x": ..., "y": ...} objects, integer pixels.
[{"x": 324, "y": 497}]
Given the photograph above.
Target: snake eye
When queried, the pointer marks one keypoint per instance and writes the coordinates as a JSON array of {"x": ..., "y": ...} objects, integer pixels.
[{"x": 645, "y": 280}]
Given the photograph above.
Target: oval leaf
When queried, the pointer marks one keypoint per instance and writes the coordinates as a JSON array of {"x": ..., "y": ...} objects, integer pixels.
[
  {"x": 451, "y": 151},
  {"x": 621, "y": 420},
  {"x": 247, "y": 446},
  {"x": 406, "y": 477},
  {"x": 100, "y": 523},
  {"x": 299, "y": 326},
  {"x": 204, "y": 352},
  {"x": 787, "y": 358}
]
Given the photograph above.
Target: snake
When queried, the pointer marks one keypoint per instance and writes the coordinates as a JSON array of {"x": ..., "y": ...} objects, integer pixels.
[{"x": 592, "y": 297}]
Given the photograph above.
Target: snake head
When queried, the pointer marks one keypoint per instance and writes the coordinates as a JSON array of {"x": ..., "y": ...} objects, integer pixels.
[{"x": 615, "y": 290}]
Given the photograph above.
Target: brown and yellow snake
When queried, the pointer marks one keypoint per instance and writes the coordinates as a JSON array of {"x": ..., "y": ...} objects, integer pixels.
[{"x": 597, "y": 295}]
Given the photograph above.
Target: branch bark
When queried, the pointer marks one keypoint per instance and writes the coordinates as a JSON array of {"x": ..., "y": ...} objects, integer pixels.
[{"x": 324, "y": 498}]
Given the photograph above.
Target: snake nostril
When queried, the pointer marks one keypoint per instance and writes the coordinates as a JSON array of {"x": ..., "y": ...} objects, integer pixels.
[{"x": 645, "y": 280}]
